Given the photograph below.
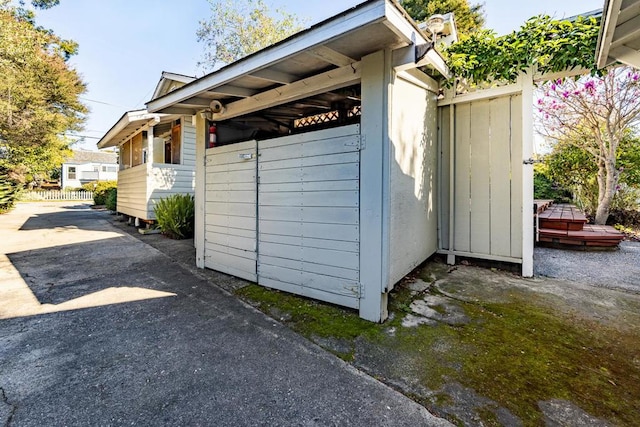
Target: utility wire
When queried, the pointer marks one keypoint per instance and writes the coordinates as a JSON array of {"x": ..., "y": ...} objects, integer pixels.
[
  {"x": 102, "y": 102},
  {"x": 83, "y": 136}
]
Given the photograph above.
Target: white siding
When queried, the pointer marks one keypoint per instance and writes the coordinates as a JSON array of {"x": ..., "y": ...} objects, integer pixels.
[
  {"x": 413, "y": 222},
  {"x": 140, "y": 187},
  {"x": 165, "y": 180},
  {"x": 132, "y": 192},
  {"x": 308, "y": 214},
  {"x": 188, "y": 142},
  {"x": 87, "y": 172}
]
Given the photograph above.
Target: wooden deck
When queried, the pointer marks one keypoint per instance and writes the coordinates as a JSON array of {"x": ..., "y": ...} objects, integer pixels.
[
  {"x": 565, "y": 224},
  {"x": 562, "y": 217}
]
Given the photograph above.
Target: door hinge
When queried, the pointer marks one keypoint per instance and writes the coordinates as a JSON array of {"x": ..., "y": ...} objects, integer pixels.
[
  {"x": 355, "y": 288},
  {"x": 357, "y": 142},
  {"x": 531, "y": 161}
]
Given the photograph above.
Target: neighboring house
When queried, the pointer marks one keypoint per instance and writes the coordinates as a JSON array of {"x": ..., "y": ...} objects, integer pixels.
[
  {"x": 87, "y": 166},
  {"x": 339, "y": 167},
  {"x": 156, "y": 152},
  {"x": 619, "y": 39}
]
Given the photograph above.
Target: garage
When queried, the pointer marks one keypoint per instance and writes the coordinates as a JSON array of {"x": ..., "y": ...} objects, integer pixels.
[{"x": 320, "y": 168}]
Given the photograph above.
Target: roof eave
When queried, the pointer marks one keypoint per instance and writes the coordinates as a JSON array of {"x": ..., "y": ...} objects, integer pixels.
[
  {"x": 610, "y": 14},
  {"x": 370, "y": 12},
  {"x": 110, "y": 138}
]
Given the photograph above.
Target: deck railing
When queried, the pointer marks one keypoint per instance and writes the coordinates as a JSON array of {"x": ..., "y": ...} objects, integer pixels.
[{"x": 56, "y": 195}]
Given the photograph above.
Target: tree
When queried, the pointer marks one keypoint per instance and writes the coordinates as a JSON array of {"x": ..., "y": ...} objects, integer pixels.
[
  {"x": 597, "y": 115},
  {"x": 39, "y": 95},
  {"x": 469, "y": 17},
  {"x": 239, "y": 28}
]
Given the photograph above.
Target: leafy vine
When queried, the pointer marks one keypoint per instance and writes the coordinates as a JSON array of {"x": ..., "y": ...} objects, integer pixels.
[{"x": 543, "y": 43}]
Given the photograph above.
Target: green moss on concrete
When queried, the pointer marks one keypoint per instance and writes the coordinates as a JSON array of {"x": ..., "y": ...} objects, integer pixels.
[
  {"x": 516, "y": 353},
  {"x": 311, "y": 318},
  {"x": 523, "y": 353}
]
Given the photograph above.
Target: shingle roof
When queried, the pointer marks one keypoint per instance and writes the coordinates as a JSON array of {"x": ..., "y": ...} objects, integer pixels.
[{"x": 84, "y": 156}]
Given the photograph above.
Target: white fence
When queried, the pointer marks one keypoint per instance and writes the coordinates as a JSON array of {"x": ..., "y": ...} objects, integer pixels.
[{"x": 56, "y": 195}]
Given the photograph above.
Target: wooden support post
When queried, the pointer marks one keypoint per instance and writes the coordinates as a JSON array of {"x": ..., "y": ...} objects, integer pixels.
[
  {"x": 373, "y": 259},
  {"x": 150, "y": 146},
  {"x": 199, "y": 228},
  {"x": 526, "y": 81}
]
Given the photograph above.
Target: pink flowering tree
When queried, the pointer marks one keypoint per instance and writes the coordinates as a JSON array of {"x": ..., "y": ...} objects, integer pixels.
[{"x": 594, "y": 114}]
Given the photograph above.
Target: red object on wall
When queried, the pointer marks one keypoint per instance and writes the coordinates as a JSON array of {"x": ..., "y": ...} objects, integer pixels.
[{"x": 213, "y": 138}]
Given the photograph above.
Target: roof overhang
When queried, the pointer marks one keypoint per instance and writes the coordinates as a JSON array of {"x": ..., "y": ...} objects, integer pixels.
[
  {"x": 130, "y": 123},
  {"x": 619, "y": 38},
  {"x": 167, "y": 80},
  {"x": 322, "y": 58}
]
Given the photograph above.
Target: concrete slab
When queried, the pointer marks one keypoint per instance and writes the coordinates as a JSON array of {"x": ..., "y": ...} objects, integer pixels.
[{"x": 98, "y": 328}]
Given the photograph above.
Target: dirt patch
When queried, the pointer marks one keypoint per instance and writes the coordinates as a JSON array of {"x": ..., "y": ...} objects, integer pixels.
[{"x": 485, "y": 347}]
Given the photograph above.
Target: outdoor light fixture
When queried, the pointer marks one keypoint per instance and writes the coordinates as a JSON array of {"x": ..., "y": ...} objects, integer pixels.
[{"x": 435, "y": 24}]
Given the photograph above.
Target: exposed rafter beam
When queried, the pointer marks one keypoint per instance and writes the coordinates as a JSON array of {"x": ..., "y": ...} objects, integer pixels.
[
  {"x": 626, "y": 55},
  {"x": 331, "y": 56},
  {"x": 626, "y": 32},
  {"x": 311, "y": 86},
  {"x": 196, "y": 102},
  {"x": 415, "y": 56},
  {"x": 181, "y": 111},
  {"x": 274, "y": 76},
  {"x": 629, "y": 11},
  {"x": 230, "y": 90}
]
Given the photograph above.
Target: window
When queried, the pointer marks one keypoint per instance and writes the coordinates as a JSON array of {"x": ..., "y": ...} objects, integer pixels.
[
  {"x": 136, "y": 147},
  {"x": 175, "y": 144},
  {"x": 125, "y": 155},
  {"x": 109, "y": 168},
  {"x": 71, "y": 172}
]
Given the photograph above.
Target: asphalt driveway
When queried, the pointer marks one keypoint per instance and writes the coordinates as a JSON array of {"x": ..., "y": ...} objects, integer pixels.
[{"x": 99, "y": 328}]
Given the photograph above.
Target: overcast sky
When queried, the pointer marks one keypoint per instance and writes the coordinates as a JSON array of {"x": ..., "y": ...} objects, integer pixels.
[{"x": 126, "y": 44}]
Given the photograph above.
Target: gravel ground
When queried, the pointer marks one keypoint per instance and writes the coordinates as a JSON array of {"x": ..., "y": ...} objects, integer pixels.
[{"x": 619, "y": 269}]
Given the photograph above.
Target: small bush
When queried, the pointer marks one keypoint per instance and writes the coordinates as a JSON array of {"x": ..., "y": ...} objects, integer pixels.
[
  {"x": 174, "y": 216},
  {"x": 9, "y": 193},
  {"x": 112, "y": 200},
  {"x": 89, "y": 186},
  {"x": 101, "y": 190},
  {"x": 625, "y": 217},
  {"x": 544, "y": 188}
]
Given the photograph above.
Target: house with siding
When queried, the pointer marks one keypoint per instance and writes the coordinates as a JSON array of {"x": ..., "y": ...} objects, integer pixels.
[
  {"x": 87, "y": 166},
  {"x": 156, "y": 154}
]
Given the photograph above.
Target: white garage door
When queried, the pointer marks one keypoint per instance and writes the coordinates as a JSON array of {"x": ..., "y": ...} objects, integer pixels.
[
  {"x": 308, "y": 214},
  {"x": 230, "y": 209}
]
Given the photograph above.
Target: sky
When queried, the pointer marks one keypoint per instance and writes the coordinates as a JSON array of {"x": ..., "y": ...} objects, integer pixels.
[{"x": 126, "y": 44}]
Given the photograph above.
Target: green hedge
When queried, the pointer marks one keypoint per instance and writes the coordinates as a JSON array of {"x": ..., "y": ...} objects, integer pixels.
[
  {"x": 101, "y": 190},
  {"x": 112, "y": 199}
]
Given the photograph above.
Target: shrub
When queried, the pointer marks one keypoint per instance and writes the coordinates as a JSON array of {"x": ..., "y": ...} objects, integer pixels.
[
  {"x": 89, "y": 186},
  {"x": 174, "y": 216},
  {"x": 9, "y": 193},
  {"x": 112, "y": 199},
  {"x": 101, "y": 190},
  {"x": 545, "y": 188}
]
